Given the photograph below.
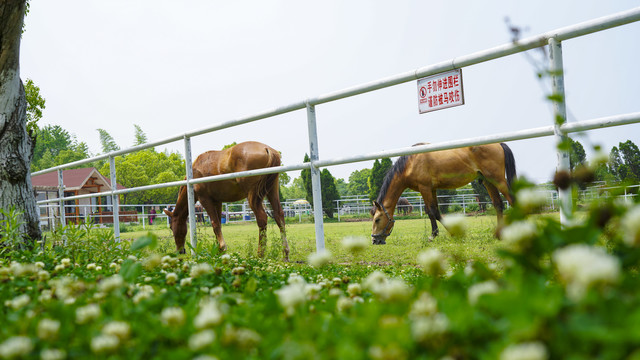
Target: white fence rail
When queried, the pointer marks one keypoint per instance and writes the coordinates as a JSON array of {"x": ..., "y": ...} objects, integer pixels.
[{"x": 553, "y": 38}]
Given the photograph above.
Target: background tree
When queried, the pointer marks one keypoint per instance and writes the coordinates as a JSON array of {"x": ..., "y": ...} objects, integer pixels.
[
  {"x": 341, "y": 185},
  {"x": 294, "y": 191},
  {"x": 378, "y": 172},
  {"x": 577, "y": 155},
  {"x": 56, "y": 146},
  {"x": 328, "y": 186},
  {"x": 107, "y": 142},
  {"x": 483, "y": 194},
  {"x": 16, "y": 143},
  {"x": 141, "y": 137},
  {"x": 359, "y": 182},
  {"x": 631, "y": 156},
  {"x": 35, "y": 105}
]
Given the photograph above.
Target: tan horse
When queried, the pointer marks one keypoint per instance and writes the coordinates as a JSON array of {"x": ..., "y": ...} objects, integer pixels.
[
  {"x": 241, "y": 157},
  {"x": 445, "y": 169}
]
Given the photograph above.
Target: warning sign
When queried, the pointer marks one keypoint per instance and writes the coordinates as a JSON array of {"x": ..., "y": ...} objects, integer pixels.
[{"x": 440, "y": 91}]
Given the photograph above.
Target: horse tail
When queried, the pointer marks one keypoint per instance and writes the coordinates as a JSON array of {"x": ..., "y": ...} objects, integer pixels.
[{"x": 509, "y": 164}]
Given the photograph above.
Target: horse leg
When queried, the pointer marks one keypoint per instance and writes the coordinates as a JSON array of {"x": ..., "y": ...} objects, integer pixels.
[
  {"x": 431, "y": 208},
  {"x": 255, "y": 202},
  {"x": 274, "y": 199},
  {"x": 214, "y": 209},
  {"x": 496, "y": 200}
]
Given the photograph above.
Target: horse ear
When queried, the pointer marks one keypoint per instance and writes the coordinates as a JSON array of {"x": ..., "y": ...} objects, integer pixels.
[
  {"x": 377, "y": 205},
  {"x": 168, "y": 213}
]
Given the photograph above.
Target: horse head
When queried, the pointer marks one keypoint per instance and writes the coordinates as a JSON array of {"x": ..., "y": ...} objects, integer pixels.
[
  {"x": 179, "y": 228},
  {"x": 382, "y": 224}
]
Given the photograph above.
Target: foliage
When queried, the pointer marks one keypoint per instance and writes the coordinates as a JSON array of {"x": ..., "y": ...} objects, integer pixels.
[
  {"x": 35, "y": 103},
  {"x": 147, "y": 167},
  {"x": 577, "y": 155},
  {"x": 107, "y": 142},
  {"x": 328, "y": 186},
  {"x": 624, "y": 162},
  {"x": 483, "y": 194},
  {"x": 56, "y": 146},
  {"x": 444, "y": 208},
  {"x": 378, "y": 172},
  {"x": 141, "y": 137},
  {"x": 359, "y": 182},
  {"x": 341, "y": 186},
  {"x": 294, "y": 191}
]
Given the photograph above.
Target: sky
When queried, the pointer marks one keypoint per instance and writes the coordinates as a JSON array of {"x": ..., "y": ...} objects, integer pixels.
[{"x": 176, "y": 66}]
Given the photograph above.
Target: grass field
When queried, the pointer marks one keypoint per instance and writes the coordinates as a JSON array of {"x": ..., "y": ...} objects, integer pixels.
[{"x": 409, "y": 237}]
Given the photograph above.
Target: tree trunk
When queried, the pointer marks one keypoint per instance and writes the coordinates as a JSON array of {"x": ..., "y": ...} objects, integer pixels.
[{"x": 16, "y": 145}]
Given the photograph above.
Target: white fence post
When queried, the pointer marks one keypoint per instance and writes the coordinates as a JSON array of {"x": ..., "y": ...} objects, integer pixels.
[
  {"x": 315, "y": 177},
  {"x": 63, "y": 220},
  {"x": 190, "y": 196},
  {"x": 115, "y": 199},
  {"x": 559, "y": 119}
]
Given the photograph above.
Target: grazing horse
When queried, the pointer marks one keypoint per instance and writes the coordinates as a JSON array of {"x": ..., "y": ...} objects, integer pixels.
[
  {"x": 445, "y": 169},
  {"x": 241, "y": 157},
  {"x": 404, "y": 206}
]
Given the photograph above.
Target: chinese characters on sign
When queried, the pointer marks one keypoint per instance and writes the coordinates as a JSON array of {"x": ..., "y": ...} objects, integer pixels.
[{"x": 440, "y": 91}]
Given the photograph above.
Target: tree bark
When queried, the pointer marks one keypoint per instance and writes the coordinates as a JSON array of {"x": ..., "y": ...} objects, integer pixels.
[{"x": 16, "y": 145}]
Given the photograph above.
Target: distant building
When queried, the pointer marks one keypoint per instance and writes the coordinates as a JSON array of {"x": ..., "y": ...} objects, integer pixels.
[{"x": 76, "y": 182}]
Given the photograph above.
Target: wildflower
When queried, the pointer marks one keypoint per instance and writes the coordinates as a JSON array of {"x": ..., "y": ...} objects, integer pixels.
[
  {"x": 291, "y": 296},
  {"x": 355, "y": 244},
  {"x": 19, "y": 302},
  {"x": 344, "y": 304},
  {"x": 225, "y": 258},
  {"x": 145, "y": 292},
  {"x": 205, "y": 357},
  {"x": 239, "y": 270},
  {"x": 354, "y": 289},
  {"x": 53, "y": 354},
  {"x": 20, "y": 270},
  {"x": 534, "y": 350},
  {"x": 425, "y": 305},
  {"x": 39, "y": 265},
  {"x": 98, "y": 268},
  {"x": 320, "y": 258},
  {"x": 152, "y": 261},
  {"x": 209, "y": 315},
  {"x": 433, "y": 262},
  {"x": 201, "y": 339},
  {"x": 104, "y": 343},
  {"x": 244, "y": 338},
  {"x": 374, "y": 280},
  {"x": 582, "y": 266},
  {"x": 631, "y": 227},
  {"x": 455, "y": 224},
  {"x": 216, "y": 291},
  {"x": 200, "y": 270},
  {"x": 87, "y": 313},
  {"x": 530, "y": 199},
  {"x": 295, "y": 278},
  {"x": 15, "y": 347},
  {"x": 479, "y": 289},
  {"x": 185, "y": 282},
  {"x": 172, "y": 316},
  {"x": 171, "y": 278},
  {"x": 58, "y": 267},
  {"x": 519, "y": 235},
  {"x": 65, "y": 262},
  {"x": 48, "y": 329},
  {"x": 425, "y": 328},
  {"x": 120, "y": 329},
  {"x": 110, "y": 284},
  {"x": 393, "y": 290}
]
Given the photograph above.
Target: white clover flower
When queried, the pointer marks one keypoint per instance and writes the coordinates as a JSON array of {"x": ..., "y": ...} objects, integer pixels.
[
  {"x": 58, "y": 267},
  {"x": 65, "y": 262},
  {"x": 631, "y": 227},
  {"x": 354, "y": 289},
  {"x": 120, "y": 329},
  {"x": 479, "y": 289},
  {"x": 53, "y": 354},
  {"x": 98, "y": 268},
  {"x": 344, "y": 304},
  {"x": 144, "y": 293},
  {"x": 152, "y": 261},
  {"x": 355, "y": 244},
  {"x": 208, "y": 316},
  {"x": 433, "y": 262},
  {"x": 393, "y": 290},
  {"x": 111, "y": 283},
  {"x": 39, "y": 265},
  {"x": 295, "y": 278},
  {"x": 225, "y": 258},
  {"x": 374, "y": 280},
  {"x": 582, "y": 266},
  {"x": 205, "y": 357},
  {"x": 530, "y": 199},
  {"x": 48, "y": 329},
  {"x": 19, "y": 302},
  {"x": 312, "y": 290},
  {"x": 43, "y": 275},
  {"x": 201, "y": 339},
  {"x": 172, "y": 316},
  {"x": 132, "y": 257},
  {"x": 244, "y": 338},
  {"x": 335, "y": 292},
  {"x": 200, "y": 270},
  {"x": 519, "y": 234},
  {"x": 320, "y": 259},
  {"x": 525, "y": 351},
  {"x": 15, "y": 347},
  {"x": 291, "y": 296},
  {"x": 455, "y": 224},
  {"x": 104, "y": 343},
  {"x": 87, "y": 313},
  {"x": 185, "y": 282},
  {"x": 425, "y": 305},
  {"x": 216, "y": 291},
  {"x": 239, "y": 270},
  {"x": 171, "y": 278},
  {"x": 425, "y": 328}
]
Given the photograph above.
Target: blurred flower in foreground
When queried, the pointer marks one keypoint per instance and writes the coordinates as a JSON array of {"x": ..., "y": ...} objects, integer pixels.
[
  {"x": 172, "y": 316},
  {"x": 319, "y": 259},
  {"x": 582, "y": 266},
  {"x": 479, "y": 289},
  {"x": 15, "y": 347},
  {"x": 631, "y": 226},
  {"x": 291, "y": 296},
  {"x": 530, "y": 199},
  {"x": 525, "y": 351},
  {"x": 433, "y": 262},
  {"x": 200, "y": 270},
  {"x": 518, "y": 235},
  {"x": 355, "y": 244},
  {"x": 87, "y": 313},
  {"x": 456, "y": 224},
  {"x": 201, "y": 339}
]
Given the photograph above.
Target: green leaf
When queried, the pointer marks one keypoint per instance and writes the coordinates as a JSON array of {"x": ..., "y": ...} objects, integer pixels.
[{"x": 150, "y": 240}]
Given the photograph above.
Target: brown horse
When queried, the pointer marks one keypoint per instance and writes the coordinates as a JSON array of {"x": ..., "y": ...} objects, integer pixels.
[
  {"x": 241, "y": 157},
  {"x": 404, "y": 206},
  {"x": 445, "y": 169}
]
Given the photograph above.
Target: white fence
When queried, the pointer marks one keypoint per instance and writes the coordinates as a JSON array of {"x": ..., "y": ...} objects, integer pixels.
[{"x": 552, "y": 38}]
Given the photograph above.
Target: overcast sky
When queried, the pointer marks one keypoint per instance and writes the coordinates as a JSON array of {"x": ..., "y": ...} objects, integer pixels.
[{"x": 176, "y": 66}]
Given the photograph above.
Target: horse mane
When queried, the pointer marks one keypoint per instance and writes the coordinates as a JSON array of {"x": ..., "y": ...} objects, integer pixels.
[{"x": 396, "y": 169}]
